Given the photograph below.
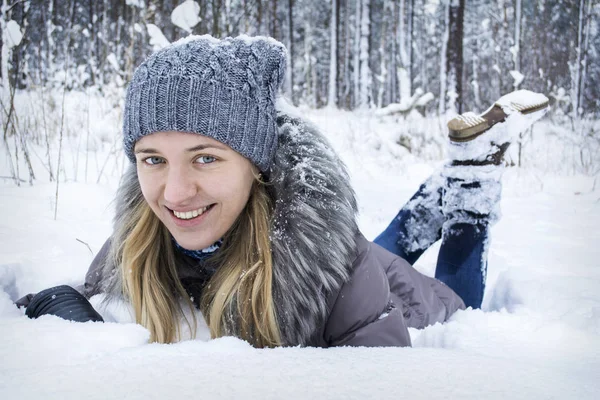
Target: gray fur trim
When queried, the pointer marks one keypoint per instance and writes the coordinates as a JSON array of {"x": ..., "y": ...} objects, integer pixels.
[
  {"x": 314, "y": 229},
  {"x": 313, "y": 233}
]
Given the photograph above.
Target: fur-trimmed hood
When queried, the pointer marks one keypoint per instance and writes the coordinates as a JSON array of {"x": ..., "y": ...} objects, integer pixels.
[{"x": 313, "y": 231}]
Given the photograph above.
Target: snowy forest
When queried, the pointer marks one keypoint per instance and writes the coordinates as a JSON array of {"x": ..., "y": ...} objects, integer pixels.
[
  {"x": 416, "y": 63},
  {"x": 380, "y": 79},
  {"x": 345, "y": 53}
]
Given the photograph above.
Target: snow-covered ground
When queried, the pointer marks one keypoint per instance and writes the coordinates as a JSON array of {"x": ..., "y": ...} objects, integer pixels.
[{"x": 538, "y": 335}]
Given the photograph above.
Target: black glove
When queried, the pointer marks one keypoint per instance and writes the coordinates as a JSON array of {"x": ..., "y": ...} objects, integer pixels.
[{"x": 64, "y": 302}]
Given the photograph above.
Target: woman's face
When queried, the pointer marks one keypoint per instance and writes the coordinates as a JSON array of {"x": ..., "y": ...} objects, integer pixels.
[{"x": 196, "y": 185}]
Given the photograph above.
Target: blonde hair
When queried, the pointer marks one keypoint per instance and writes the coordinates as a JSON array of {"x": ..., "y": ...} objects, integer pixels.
[{"x": 238, "y": 299}]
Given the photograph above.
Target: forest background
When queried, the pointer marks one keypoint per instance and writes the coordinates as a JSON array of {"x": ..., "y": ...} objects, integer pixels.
[
  {"x": 380, "y": 78},
  {"x": 409, "y": 60}
]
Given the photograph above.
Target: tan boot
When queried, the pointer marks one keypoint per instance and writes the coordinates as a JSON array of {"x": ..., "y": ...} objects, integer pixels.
[{"x": 492, "y": 131}]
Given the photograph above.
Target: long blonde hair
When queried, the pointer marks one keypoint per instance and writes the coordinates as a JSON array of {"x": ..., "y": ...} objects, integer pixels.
[{"x": 238, "y": 299}]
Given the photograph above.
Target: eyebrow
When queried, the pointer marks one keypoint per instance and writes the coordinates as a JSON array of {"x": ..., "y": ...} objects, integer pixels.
[{"x": 190, "y": 150}]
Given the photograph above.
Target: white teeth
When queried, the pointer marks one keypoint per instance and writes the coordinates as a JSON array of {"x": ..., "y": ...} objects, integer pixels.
[{"x": 190, "y": 214}]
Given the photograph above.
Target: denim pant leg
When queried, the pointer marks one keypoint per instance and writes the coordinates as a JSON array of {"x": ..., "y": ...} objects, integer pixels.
[
  {"x": 470, "y": 205},
  {"x": 459, "y": 210},
  {"x": 418, "y": 224},
  {"x": 462, "y": 261}
]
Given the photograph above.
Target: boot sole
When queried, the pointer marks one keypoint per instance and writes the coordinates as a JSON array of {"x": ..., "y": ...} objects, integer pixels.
[{"x": 467, "y": 127}]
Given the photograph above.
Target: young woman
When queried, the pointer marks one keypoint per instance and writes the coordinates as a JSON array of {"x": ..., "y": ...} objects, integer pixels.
[{"x": 247, "y": 213}]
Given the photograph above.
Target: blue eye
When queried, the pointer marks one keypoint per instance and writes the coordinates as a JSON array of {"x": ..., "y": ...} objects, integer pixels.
[
  {"x": 206, "y": 159},
  {"x": 154, "y": 160}
]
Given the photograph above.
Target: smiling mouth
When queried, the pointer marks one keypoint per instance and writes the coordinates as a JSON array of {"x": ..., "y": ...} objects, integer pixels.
[{"x": 186, "y": 215}]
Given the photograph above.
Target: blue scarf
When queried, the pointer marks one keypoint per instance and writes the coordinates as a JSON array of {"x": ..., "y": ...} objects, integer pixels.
[{"x": 202, "y": 254}]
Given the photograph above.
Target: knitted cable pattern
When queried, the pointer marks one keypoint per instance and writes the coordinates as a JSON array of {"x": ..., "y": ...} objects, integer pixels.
[{"x": 225, "y": 89}]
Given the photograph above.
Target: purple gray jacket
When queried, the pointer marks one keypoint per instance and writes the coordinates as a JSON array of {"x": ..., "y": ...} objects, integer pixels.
[{"x": 332, "y": 287}]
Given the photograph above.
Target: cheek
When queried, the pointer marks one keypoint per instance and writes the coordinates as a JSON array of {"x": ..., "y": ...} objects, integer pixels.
[
  {"x": 149, "y": 188},
  {"x": 237, "y": 191}
]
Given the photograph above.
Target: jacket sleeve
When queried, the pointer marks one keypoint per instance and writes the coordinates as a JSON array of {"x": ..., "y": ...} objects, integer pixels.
[
  {"x": 93, "y": 278},
  {"x": 423, "y": 300},
  {"x": 364, "y": 313}
]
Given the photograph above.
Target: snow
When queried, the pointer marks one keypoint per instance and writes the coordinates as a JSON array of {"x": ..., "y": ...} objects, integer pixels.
[
  {"x": 425, "y": 99},
  {"x": 538, "y": 335},
  {"x": 406, "y": 103},
  {"x": 518, "y": 77},
  {"x": 185, "y": 15},
  {"x": 135, "y": 3},
  {"x": 112, "y": 60},
  {"x": 14, "y": 34},
  {"x": 249, "y": 40},
  {"x": 157, "y": 39}
]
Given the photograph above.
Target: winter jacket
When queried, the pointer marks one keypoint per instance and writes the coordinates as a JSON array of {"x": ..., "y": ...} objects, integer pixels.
[{"x": 331, "y": 286}]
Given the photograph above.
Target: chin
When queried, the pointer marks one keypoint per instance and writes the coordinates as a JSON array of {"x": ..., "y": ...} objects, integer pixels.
[{"x": 191, "y": 244}]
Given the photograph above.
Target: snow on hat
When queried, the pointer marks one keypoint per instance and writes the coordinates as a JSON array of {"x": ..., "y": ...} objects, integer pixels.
[{"x": 225, "y": 89}]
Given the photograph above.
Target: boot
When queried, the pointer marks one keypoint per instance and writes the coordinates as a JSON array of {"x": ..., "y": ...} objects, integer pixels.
[{"x": 483, "y": 139}]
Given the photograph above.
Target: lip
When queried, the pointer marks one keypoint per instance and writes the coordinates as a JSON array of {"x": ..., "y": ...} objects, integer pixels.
[{"x": 184, "y": 223}]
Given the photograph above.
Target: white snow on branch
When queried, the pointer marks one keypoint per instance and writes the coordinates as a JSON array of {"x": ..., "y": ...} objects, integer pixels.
[
  {"x": 14, "y": 34},
  {"x": 185, "y": 15},
  {"x": 518, "y": 77},
  {"x": 112, "y": 60},
  {"x": 425, "y": 99},
  {"x": 135, "y": 3},
  {"x": 406, "y": 103},
  {"x": 157, "y": 39}
]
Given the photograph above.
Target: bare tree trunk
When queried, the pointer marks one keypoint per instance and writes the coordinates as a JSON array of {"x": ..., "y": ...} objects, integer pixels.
[
  {"x": 48, "y": 53},
  {"x": 105, "y": 49},
  {"x": 576, "y": 83},
  {"x": 332, "y": 95},
  {"x": 411, "y": 15},
  {"x": 47, "y": 136},
  {"x": 356, "y": 62},
  {"x": 393, "y": 81},
  {"x": 584, "y": 61},
  {"x": 6, "y": 52},
  {"x": 454, "y": 57},
  {"x": 259, "y": 16},
  {"x": 347, "y": 53},
  {"x": 274, "y": 31},
  {"x": 216, "y": 17},
  {"x": 119, "y": 27},
  {"x": 310, "y": 70},
  {"x": 404, "y": 43},
  {"x": 444, "y": 63},
  {"x": 475, "y": 77},
  {"x": 517, "y": 41},
  {"x": 366, "y": 95},
  {"x": 91, "y": 56},
  {"x": 382, "y": 78},
  {"x": 290, "y": 61}
]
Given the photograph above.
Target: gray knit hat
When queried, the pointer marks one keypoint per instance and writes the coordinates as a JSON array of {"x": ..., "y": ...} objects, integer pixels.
[{"x": 224, "y": 89}]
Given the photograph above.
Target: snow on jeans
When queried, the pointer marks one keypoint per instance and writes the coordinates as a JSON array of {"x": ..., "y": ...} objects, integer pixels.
[{"x": 458, "y": 204}]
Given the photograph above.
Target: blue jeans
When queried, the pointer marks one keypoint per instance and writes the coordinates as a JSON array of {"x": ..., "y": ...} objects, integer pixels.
[{"x": 443, "y": 208}]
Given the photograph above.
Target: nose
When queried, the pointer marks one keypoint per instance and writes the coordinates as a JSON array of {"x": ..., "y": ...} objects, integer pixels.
[{"x": 180, "y": 187}]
